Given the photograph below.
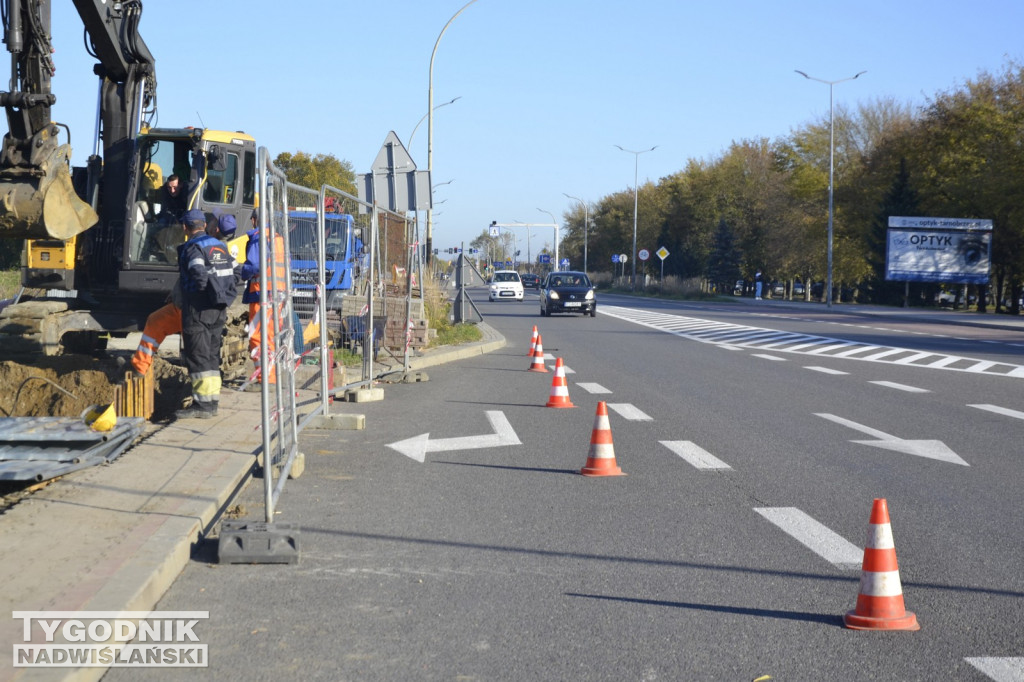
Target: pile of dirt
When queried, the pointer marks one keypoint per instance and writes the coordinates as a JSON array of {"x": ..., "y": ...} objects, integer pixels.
[{"x": 67, "y": 385}]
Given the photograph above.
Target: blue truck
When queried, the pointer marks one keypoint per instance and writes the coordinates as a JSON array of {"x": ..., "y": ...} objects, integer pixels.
[{"x": 342, "y": 258}]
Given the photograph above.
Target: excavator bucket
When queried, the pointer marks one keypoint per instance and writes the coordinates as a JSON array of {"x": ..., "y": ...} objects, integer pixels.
[{"x": 40, "y": 203}]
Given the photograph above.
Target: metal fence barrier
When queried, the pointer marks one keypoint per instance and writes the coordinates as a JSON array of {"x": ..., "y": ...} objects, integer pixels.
[{"x": 340, "y": 263}]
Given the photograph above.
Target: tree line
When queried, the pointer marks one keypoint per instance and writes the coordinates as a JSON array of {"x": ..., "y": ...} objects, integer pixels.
[{"x": 763, "y": 204}]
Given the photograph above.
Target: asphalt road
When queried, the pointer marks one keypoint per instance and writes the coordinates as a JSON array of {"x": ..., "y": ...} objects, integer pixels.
[{"x": 729, "y": 551}]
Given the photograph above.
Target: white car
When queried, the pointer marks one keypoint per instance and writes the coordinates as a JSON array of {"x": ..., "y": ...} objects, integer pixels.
[{"x": 505, "y": 284}]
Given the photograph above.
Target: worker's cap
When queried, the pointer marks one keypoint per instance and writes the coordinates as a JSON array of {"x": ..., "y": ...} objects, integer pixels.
[
  {"x": 193, "y": 218},
  {"x": 228, "y": 225}
]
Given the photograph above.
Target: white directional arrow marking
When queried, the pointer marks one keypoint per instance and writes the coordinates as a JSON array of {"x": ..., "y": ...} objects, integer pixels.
[
  {"x": 932, "y": 449},
  {"x": 417, "y": 447}
]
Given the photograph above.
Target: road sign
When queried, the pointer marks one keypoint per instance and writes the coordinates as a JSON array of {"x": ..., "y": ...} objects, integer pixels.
[
  {"x": 662, "y": 253},
  {"x": 644, "y": 254},
  {"x": 615, "y": 258},
  {"x": 623, "y": 258},
  {"x": 393, "y": 180},
  {"x": 564, "y": 263},
  {"x": 544, "y": 258}
]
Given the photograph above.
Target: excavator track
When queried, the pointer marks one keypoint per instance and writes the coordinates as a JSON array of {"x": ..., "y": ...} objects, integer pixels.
[
  {"x": 50, "y": 327},
  {"x": 39, "y": 327}
]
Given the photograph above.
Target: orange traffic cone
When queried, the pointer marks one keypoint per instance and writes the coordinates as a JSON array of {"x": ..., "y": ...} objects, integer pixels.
[
  {"x": 533, "y": 343},
  {"x": 537, "y": 364},
  {"x": 559, "y": 389},
  {"x": 880, "y": 601},
  {"x": 601, "y": 459}
]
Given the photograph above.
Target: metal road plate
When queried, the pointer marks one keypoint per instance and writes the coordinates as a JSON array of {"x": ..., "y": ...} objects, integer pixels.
[
  {"x": 13, "y": 429},
  {"x": 39, "y": 448}
]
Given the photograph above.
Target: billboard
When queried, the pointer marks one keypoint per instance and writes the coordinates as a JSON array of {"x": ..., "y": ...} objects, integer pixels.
[{"x": 956, "y": 250}]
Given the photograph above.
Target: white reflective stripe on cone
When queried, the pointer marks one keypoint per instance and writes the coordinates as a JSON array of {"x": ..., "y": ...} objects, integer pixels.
[
  {"x": 880, "y": 536},
  {"x": 881, "y": 584}
]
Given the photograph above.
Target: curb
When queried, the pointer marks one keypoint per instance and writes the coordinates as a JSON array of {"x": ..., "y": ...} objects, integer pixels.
[
  {"x": 491, "y": 342},
  {"x": 115, "y": 537}
]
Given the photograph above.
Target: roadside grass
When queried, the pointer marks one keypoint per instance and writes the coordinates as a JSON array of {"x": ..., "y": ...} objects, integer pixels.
[
  {"x": 438, "y": 312},
  {"x": 10, "y": 283},
  {"x": 672, "y": 288}
]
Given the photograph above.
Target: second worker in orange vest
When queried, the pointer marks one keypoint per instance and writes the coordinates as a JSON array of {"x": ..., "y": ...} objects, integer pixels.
[{"x": 250, "y": 271}]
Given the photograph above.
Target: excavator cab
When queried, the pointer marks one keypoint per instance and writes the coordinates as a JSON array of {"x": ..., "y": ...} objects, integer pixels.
[{"x": 215, "y": 172}]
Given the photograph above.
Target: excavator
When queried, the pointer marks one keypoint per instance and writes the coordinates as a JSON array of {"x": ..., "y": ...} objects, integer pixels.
[{"x": 100, "y": 241}]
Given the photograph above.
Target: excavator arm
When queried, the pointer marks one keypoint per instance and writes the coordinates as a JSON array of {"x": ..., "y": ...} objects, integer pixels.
[{"x": 37, "y": 199}]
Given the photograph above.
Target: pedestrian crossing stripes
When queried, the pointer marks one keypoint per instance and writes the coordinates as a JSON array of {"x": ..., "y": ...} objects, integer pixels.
[{"x": 758, "y": 338}]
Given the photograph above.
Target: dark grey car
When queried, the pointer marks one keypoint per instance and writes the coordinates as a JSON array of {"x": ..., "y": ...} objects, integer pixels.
[{"x": 567, "y": 292}]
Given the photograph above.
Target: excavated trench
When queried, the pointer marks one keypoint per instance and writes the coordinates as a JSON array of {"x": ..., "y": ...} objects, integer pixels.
[{"x": 67, "y": 385}]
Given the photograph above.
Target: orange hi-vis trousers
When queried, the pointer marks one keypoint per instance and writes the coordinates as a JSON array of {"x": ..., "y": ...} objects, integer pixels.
[
  {"x": 160, "y": 324},
  {"x": 256, "y": 337}
]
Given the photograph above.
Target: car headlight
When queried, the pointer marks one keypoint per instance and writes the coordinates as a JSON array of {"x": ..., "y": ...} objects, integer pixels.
[
  {"x": 553, "y": 295},
  {"x": 590, "y": 295}
]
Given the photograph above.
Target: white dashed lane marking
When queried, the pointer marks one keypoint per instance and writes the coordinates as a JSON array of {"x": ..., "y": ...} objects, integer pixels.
[
  {"x": 1005, "y": 411},
  {"x": 629, "y": 412},
  {"x": 1000, "y": 669},
  {"x": 826, "y": 370},
  {"x": 695, "y": 455},
  {"x": 593, "y": 388},
  {"x": 900, "y": 387},
  {"x": 816, "y": 537}
]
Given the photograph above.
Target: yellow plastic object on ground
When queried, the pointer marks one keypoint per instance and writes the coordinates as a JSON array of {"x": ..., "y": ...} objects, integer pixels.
[
  {"x": 311, "y": 333},
  {"x": 101, "y": 418}
]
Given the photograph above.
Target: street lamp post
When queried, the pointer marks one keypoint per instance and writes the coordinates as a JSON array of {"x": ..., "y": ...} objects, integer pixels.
[
  {"x": 636, "y": 167},
  {"x": 586, "y": 225},
  {"x": 430, "y": 124},
  {"x": 831, "y": 168},
  {"x": 424, "y": 118},
  {"x": 529, "y": 256},
  {"x": 555, "y": 223}
]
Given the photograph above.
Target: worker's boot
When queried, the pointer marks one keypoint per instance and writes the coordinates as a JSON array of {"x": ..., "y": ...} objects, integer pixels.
[{"x": 194, "y": 412}]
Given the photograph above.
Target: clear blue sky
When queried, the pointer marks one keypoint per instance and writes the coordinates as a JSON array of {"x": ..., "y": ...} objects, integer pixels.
[{"x": 547, "y": 87}]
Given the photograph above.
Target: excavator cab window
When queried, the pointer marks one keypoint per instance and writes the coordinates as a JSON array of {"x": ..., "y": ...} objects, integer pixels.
[
  {"x": 249, "y": 179},
  {"x": 220, "y": 184},
  {"x": 156, "y": 212}
]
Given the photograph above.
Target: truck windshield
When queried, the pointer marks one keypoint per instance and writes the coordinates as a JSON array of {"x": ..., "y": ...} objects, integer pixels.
[{"x": 303, "y": 240}]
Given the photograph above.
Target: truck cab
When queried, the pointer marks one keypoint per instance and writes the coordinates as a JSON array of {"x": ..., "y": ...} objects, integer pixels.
[{"x": 342, "y": 249}]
